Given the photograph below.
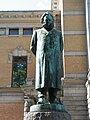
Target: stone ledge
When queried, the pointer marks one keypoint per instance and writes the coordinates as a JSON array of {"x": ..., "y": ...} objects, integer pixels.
[{"x": 11, "y": 95}]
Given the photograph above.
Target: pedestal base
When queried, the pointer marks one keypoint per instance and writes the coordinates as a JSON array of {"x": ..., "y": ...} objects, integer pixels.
[
  {"x": 48, "y": 107},
  {"x": 48, "y": 112},
  {"x": 48, "y": 116}
]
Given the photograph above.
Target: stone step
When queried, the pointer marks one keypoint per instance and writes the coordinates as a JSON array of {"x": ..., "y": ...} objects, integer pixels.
[
  {"x": 77, "y": 108},
  {"x": 74, "y": 83},
  {"x": 74, "y": 94},
  {"x": 75, "y": 100},
  {"x": 78, "y": 112},
  {"x": 75, "y": 91},
  {"x": 75, "y": 103},
  {"x": 80, "y": 117},
  {"x": 68, "y": 98},
  {"x": 73, "y": 86}
]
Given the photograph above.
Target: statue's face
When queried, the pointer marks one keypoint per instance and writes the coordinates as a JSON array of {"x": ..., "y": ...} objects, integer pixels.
[{"x": 48, "y": 22}]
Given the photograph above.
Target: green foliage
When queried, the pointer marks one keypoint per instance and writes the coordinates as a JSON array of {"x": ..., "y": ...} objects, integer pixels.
[{"x": 19, "y": 74}]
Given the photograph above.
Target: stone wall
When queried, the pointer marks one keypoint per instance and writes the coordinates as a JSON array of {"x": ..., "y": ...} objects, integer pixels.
[{"x": 11, "y": 104}]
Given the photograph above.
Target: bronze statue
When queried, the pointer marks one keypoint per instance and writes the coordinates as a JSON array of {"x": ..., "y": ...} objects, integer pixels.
[{"x": 47, "y": 46}]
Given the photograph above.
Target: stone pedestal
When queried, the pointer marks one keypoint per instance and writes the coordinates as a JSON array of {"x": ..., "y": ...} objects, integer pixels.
[
  {"x": 48, "y": 112},
  {"x": 48, "y": 116}
]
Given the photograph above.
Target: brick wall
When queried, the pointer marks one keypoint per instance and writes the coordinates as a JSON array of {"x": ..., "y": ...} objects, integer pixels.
[
  {"x": 76, "y": 65},
  {"x": 73, "y": 5},
  {"x": 11, "y": 104},
  {"x": 8, "y": 44},
  {"x": 74, "y": 22},
  {"x": 11, "y": 111},
  {"x": 76, "y": 43}
]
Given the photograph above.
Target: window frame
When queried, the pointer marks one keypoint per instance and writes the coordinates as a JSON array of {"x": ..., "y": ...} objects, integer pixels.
[
  {"x": 12, "y": 30},
  {"x": 3, "y": 30},
  {"x": 27, "y": 31}
]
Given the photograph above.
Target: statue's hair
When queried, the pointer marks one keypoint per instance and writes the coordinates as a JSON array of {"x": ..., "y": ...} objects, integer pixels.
[{"x": 46, "y": 13}]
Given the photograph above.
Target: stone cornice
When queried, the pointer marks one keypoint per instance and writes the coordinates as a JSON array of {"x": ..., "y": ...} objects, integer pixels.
[
  {"x": 10, "y": 15},
  {"x": 23, "y": 14},
  {"x": 20, "y": 16}
]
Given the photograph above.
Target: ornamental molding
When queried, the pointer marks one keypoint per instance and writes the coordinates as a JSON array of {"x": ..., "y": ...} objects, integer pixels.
[
  {"x": 16, "y": 15},
  {"x": 9, "y": 15},
  {"x": 19, "y": 51},
  {"x": 19, "y": 25}
]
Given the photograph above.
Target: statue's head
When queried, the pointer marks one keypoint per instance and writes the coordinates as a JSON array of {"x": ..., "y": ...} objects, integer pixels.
[{"x": 47, "y": 20}]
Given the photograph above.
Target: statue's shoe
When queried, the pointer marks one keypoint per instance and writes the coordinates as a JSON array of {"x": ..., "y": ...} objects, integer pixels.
[{"x": 41, "y": 100}]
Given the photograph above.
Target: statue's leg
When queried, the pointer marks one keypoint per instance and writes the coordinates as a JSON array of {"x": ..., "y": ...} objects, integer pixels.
[
  {"x": 41, "y": 96},
  {"x": 52, "y": 94}
]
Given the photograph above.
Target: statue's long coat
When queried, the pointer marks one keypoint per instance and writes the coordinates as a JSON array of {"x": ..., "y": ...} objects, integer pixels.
[{"x": 47, "y": 46}]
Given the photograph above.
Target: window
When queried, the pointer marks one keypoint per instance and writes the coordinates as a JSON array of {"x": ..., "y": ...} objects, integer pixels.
[
  {"x": 27, "y": 31},
  {"x": 19, "y": 71},
  {"x": 2, "y": 31},
  {"x": 55, "y": 7},
  {"x": 55, "y": 3},
  {"x": 13, "y": 31}
]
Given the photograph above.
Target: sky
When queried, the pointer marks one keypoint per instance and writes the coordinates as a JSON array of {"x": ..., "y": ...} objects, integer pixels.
[{"x": 8, "y": 5}]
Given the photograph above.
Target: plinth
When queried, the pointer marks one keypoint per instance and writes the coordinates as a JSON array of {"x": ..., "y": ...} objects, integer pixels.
[{"x": 48, "y": 112}]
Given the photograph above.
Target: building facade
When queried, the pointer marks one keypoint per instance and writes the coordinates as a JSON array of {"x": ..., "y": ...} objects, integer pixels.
[
  {"x": 17, "y": 74},
  {"x": 87, "y": 12},
  {"x": 75, "y": 28}
]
